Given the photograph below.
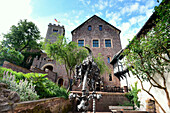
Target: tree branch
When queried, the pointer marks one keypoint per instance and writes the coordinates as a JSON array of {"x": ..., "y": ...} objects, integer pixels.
[{"x": 150, "y": 95}]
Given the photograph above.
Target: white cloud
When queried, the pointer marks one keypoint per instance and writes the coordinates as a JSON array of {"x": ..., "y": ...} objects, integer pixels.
[
  {"x": 125, "y": 26},
  {"x": 114, "y": 18},
  {"x": 12, "y": 11},
  {"x": 87, "y": 17},
  {"x": 99, "y": 14},
  {"x": 111, "y": 3},
  {"x": 120, "y": 0},
  {"x": 101, "y": 4},
  {"x": 130, "y": 8},
  {"x": 88, "y": 2},
  {"x": 85, "y": 2},
  {"x": 133, "y": 20},
  {"x": 128, "y": 32},
  {"x": 149, "y": 12},
  {"x": 147, "y": 8},
  {"x": 137, "y": 20},
  {"x": 150, "y": 3},
  {"x": 108, "y": 15}
]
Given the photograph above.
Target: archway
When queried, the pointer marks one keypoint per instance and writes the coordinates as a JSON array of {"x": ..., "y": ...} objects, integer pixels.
[
  {"x": 60, "y": 82},
  {"x": 49, "y": 67}
]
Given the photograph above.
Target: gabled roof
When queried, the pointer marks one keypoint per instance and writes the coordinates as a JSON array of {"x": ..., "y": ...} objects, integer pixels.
[{"x": 99, "y": 19}]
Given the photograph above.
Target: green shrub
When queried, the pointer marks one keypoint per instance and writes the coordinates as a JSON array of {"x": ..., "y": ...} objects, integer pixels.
[
  {"x": 133, "y": 96},
  {"x": 25, "y": 89},
  {"x": 45, "y": 88}
]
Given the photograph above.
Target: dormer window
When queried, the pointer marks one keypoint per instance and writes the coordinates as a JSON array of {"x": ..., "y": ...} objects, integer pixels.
[
  {"x": 100, "y": 27},
  {"x": 89, "y": 28},
  {"x": 55, "y": 31}
]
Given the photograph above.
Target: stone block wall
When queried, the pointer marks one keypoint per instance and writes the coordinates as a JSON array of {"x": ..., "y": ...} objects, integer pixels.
[
  {"x": 108, "y": 32},
  {"x": 50, "y": 105},
  {"x": 14, "y": 67},
  {"x": 108, "y": 99}
]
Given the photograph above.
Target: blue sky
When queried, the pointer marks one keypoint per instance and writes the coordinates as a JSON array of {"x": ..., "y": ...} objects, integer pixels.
[{"x": 127, "y": 15}]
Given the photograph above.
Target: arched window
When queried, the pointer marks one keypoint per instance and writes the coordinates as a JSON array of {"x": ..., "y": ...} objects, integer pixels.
[
  {"x": 100, "y": 27},
  {"x": 60, "y": 82},
  {"x": 108, "y": 59},
  {"x": 89, "y": 28},
  {"x": 110, "y": 77}
]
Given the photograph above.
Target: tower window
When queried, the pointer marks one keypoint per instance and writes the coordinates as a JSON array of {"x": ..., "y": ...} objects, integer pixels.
[
  {"x": 95, "y": 43},
  {"x": 100, "y": 27},
  {"x": 108, "y": 59},
  {"x": 110, "y": 77},
  {"x": 80, "y": 43},
  {"x": 55, "y": 31},
  {"x": 107, "y": 43},
  {"x": 89, "y": 28}
]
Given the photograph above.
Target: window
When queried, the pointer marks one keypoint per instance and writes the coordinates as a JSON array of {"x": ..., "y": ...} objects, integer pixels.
[
  {"x": 80, "y": 43},
  {"x": 95, "y": 43},
  {"x": 110, "y": 77},
  {"x": 89, "y": 28},
  {"x": 100, "y": 27},
  {"x": 108, "y": 59},
  {"x": 56, "y": 31},
  {"x": 107, "y": 43}
]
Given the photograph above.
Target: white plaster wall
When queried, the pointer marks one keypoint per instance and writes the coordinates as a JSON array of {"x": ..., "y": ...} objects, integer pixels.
[{"x": 143, "y": 96}]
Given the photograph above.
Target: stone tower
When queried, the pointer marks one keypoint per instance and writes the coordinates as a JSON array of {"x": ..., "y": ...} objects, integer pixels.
[
  {"x": 44, "y": 64},
  {"x": 54, "y": 29}
]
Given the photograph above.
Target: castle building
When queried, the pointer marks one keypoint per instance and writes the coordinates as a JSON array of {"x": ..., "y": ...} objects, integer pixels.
[{"x": 102, "y": 38}]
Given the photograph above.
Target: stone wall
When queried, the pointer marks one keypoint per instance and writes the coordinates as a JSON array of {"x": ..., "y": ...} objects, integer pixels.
[
  {"x": 14, "y": 67},
  {"x": 44, "y": 61},
  {"x": 50, "y": 75},
  {"x": 7, "y": 98},
  {"x": 108, "y": 99},
  {"x": 50, "y": 105}
]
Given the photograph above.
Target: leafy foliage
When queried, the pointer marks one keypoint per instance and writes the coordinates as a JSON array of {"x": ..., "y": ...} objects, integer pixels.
[
  {"x": 44, "y": 87},
  {"x": 149, "y": 56},
  {"x": 133, "y": 96},
  {"x": 68, "y": 54},
  {"x": 10, "y": 55},
  {"x": 25, "y": 89},
  {"x": 27, "y": 55},
  {"x": 23, "y": 36},
  {"x": 101, "y": 64}
]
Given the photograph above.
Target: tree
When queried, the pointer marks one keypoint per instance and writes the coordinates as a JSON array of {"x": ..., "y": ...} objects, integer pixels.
[
  {"x": 68, "y": 54},
  {"x": 23, "y": 36},
  {"x": 149, "y": 56},
  {"x": 10, "y": 55}
]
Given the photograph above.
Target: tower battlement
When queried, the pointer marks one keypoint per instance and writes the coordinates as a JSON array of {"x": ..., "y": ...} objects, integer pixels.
[
  {"x": 54, "y": 25},
  {"x": 54, "y": 29}
]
